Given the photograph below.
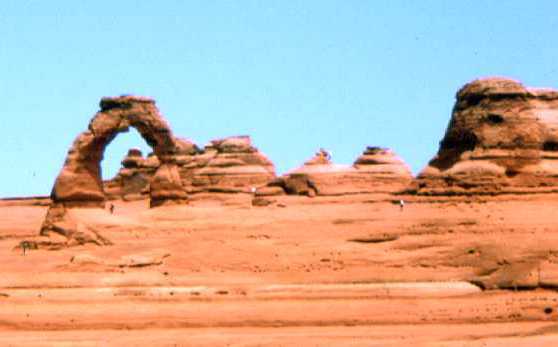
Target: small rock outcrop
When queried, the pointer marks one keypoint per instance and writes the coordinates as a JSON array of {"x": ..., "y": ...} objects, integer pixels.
[
  {"x": 383, "y": 170},
  {"x": 229, "y": 165},
  {"x": 132, "y": 181},
  {"x": 377, "y": 170},
  {"x": 502, "y": 138},
  {"x": 79, "y": 183}
]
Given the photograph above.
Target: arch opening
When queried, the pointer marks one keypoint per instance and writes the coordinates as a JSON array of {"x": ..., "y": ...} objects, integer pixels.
[
  {"x": 118, "y": 149},
  {"x": 80, "y": 180}
]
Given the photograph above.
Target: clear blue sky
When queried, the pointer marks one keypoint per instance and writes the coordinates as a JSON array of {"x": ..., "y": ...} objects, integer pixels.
[{"x": 295, "y": 75}]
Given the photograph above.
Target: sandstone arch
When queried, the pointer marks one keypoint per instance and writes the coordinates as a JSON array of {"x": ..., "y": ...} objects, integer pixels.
[{"x": 79, "y": 182}]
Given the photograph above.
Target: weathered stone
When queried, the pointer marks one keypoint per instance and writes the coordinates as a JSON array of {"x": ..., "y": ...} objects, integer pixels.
[
  {"x": 261, "y": 202},
  {"x": 270, "y": 191},
  {"x": 63, "y": 230},
  {"x": 234, "y": 144},
  {"x": 378, "y": 170},
  {"x": 502, "y": 138},
  {"x": 79, "y": 182},
  {"x": 166, "y": 186},
  {"x": 230, "y": 165},
  {"x": 186, "y": 147}
]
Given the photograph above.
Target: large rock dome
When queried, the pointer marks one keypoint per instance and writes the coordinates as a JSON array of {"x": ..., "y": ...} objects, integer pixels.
[{"x": 502, "y": 138}]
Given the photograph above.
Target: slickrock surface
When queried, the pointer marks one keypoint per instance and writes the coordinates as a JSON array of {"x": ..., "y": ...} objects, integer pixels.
[
  {"x": 351, "y": 270},
  {"x": 502, "y": 138},
  {"x": 377, "y": 170},
  {"x": 228, "y": 165}
]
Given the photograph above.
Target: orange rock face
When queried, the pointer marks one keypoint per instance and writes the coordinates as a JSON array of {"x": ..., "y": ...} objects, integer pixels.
[
  {"x": 377, "y": 170},
  {"x": 227, "y": 165},
  {"x": 231, "y": 164},
  {"x": 132, "y": 181},
  {"x": 348, "y": 267},
  {"x": 502, "y": 138},
  {"x": 79, "y": 183}
]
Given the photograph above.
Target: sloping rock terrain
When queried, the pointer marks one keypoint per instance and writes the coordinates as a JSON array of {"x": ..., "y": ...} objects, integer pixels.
[
  {"x": 471, "y": 266},
  {"x": 443, "y": 271}
]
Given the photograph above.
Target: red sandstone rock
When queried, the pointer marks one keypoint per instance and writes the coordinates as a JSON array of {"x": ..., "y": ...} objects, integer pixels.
[
  {"x": 270, "y": 190},
  {"x": 231, "y": 164},
  {"x": 79, "y": 182},
  {"x": 132, "y": 180},
  {"x": 234, "y": 165},
  {"x": 322, "y": 157},
  {"x": 186, "y": 147},
  {"x": 502, "y": 138},
  {"x": 166, "y": 186},
  {"x": 67, "y": 231},
  {"x": 377, "y": 170}
]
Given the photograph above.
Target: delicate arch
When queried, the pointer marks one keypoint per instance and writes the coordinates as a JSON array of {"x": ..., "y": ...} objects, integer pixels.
[{"x": 79, "y": 182}]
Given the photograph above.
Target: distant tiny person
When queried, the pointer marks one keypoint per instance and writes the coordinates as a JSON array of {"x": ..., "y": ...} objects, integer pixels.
[
  {"x": 253, "y": 190},
  {"x": 25, "y": 246},
  {"x": 401, "y": 205},
  {"x": 111, "y": 208}
]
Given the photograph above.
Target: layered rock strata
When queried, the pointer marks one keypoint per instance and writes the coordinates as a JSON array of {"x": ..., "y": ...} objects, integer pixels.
[
  {"x": 228, "y": 165},
  {"x": 502, "y": 138},
  {"x": 377, "y": 170},
  {"x": 132, "y": 180},
  {"x": 231, "y": 164},
  {"x": 79, "y": 182}
]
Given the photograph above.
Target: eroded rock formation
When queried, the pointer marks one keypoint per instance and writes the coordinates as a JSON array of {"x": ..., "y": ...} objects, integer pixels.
[
  {"x": 231, "y": 165},
  {"x": 79, "y": 183},
  {"x": 382, "y": 170},
  {"x": 502, "y": 138},
  {"x": 132, "y": 180},
  {"x": 377, "y": 170}
]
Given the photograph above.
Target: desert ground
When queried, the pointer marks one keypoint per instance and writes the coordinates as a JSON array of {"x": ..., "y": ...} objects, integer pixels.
[{"x": 346, "y": 271}]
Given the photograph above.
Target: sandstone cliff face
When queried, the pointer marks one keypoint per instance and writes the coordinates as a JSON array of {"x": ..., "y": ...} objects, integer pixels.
[
  {"x": 230, "y": 165},
  {"x": 502, "y": 138},
  {"x": 377, "y": 170}
]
